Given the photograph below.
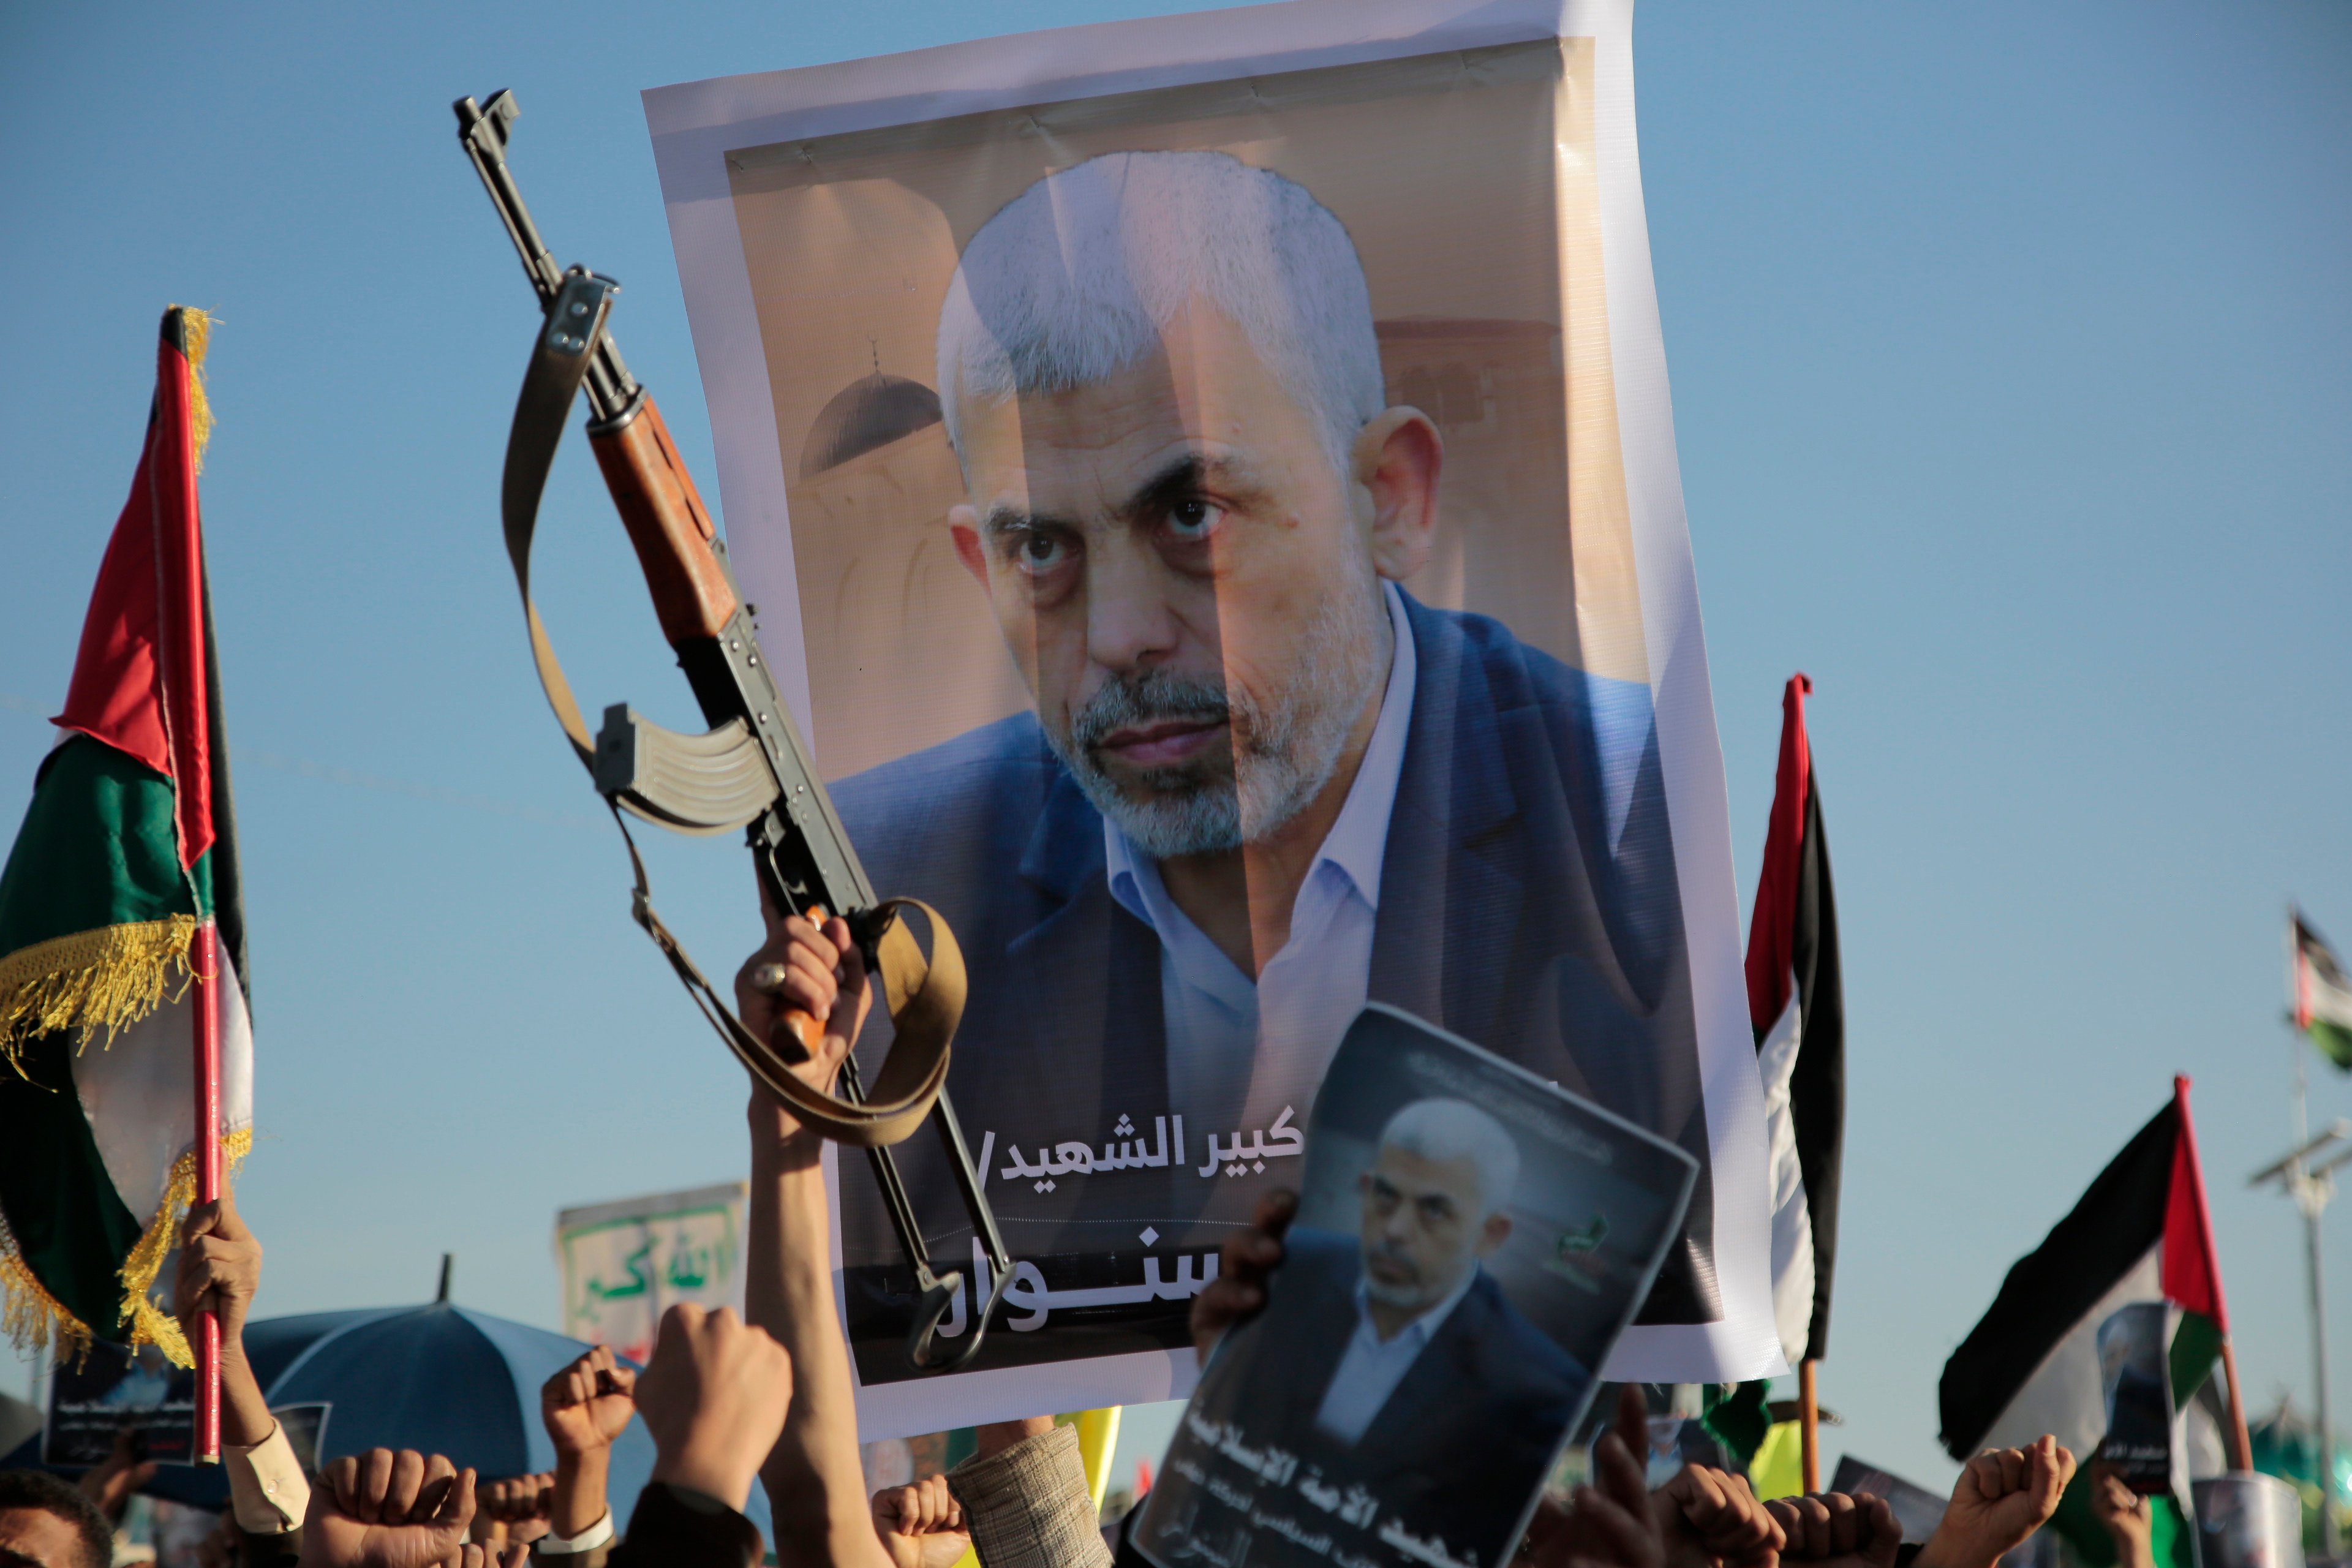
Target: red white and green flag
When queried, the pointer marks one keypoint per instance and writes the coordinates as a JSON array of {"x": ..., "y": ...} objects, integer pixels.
[
  {"x": 2141, "y": 1234},
  {"x": 121, "y": 929},
  {"x": 2320, "y": 994}
]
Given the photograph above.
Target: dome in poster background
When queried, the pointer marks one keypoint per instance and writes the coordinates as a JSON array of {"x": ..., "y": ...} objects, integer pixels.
[{"x": 872, "y": 411}]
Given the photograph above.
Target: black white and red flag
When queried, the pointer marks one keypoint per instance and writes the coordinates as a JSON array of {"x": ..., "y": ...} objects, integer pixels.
[{"x": 1798, "y": 1008}]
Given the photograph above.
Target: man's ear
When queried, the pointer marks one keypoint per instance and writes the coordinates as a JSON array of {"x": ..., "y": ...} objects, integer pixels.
[
  {"x": 1498, "y": 1230},
  {"x": 963, "y": 528},
  {"x": 1398, "y": 457}
]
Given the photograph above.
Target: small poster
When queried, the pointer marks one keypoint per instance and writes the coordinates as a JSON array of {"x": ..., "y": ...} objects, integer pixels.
[
  {"x": 1916, "y": 1510},
  {"x": 2137, "y": 1383},
  {"x": 1470, "y": 1242},
  {"x": 624, "y": 1264},
  {"x": 91, "y": 1400}
]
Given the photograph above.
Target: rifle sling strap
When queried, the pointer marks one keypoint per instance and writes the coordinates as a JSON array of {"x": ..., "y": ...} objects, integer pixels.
[{"x": 925, "y": 999}]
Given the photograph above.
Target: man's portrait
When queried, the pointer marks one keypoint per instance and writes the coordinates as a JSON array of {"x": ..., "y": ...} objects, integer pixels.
[
  {"x": 1199, "y": 529},
  {"x": 1392, "y": 1357},
  {"x": 1467, "y": 1244}
]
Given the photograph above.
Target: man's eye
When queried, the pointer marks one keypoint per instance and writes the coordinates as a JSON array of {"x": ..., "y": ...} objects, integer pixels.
[
  {"x": 1194, "y": 520},
  {"x": 1039, "y": 552}
]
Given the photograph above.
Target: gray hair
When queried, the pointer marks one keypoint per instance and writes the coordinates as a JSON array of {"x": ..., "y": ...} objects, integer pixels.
[
  {"x": 1448, "y": 1130},
  {"x": 1075, "y": 278}
]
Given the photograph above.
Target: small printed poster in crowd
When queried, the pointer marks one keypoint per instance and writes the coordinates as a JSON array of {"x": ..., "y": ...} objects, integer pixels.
[
  {"x": 624, "y": 1264},
  {"x": 1916, "y": 1510},
  {"x": 94, "y": 1397},
  {"x": 2137, "y": 1384},
  {"x": 109, "y": 1388},
  {"x": 1470, "y": 1241},
  {"x": 1170, "y": 530}
]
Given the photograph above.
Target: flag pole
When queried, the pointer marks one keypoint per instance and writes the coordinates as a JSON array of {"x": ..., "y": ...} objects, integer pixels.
[
  {"x": 2241, "y": 1447},
  {"x": 1809, "y": 1425},
  {"x": 205, "y": 950}
]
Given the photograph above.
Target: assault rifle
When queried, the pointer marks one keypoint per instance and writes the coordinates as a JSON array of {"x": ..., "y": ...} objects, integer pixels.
[{"x": 750, "y": 771}]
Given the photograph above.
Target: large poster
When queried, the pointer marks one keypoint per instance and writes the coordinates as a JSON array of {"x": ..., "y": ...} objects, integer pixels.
[{"x": 1209, "y": 488}]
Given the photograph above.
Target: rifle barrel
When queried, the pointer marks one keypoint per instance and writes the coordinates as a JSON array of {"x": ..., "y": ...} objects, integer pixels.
[{"x": 482, "y": 131}]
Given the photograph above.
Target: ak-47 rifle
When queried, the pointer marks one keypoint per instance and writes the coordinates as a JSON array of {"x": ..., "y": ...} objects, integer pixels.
[{"x": 750, "y": 771}]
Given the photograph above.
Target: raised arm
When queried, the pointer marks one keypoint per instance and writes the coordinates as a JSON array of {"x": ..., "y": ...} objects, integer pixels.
[
  {"x": 2003, "y": 1495},
  {"x": 220, "y": 1270},
  {"x": 585, "y": 1406},
  {"x": 816, "y": 1489}
]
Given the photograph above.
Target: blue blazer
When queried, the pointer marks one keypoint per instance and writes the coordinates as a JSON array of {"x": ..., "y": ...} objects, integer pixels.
[{"x": 1551, "y": 947}]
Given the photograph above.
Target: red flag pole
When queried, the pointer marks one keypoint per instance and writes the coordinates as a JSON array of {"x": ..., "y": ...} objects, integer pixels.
[{"x": 204, "y": 952}]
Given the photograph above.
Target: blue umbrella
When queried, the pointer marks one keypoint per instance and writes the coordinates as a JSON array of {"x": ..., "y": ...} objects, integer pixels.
[{"x": 440, "y": 1379}]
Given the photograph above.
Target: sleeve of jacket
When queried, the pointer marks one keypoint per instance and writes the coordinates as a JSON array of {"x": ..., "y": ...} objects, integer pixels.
[
  {"x": 675, "y": 1528},
  {"x": 1029, "y": 1507}
]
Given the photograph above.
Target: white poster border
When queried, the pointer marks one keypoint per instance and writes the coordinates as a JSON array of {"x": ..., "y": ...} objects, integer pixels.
[{"x": 695, "y": 125}]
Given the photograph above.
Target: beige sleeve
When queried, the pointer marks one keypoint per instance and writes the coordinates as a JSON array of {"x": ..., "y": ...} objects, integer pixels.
[
  {"x": 266, "y": 1488},
  {"x": 1028, "y": 1506}
]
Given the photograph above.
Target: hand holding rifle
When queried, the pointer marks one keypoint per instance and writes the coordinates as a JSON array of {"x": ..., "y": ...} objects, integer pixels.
[{"x": 804, "y": 993}]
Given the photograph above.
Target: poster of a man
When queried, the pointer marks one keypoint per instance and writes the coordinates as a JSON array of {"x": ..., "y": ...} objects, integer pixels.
[
  {"x": 1466, "y": 1238},
  {"x": 1438, "y": 1361},
  {"x": 1215, "y": 585},
  {"x": 1190, "y": 508}
]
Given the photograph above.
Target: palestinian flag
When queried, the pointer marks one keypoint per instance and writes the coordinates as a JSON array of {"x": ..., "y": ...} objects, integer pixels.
[
  {"x": 2321, "y": 995},
  {"x": 119, "y": 918},
  {"x": 1797, "y": 1006},
  {"x": 2141, "y": 1234}
]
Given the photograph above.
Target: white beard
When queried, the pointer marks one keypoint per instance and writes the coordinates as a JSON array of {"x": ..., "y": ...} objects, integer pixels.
[{"x": 1285, "y": 751}]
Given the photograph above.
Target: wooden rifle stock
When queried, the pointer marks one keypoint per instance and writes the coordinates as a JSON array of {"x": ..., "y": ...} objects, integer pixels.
[
  {"x": 672, "y": 532},
  {"x": 667, "y": 522}
]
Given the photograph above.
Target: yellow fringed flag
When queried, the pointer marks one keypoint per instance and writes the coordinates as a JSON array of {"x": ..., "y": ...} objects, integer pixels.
[{"x": 126, "y": 856}]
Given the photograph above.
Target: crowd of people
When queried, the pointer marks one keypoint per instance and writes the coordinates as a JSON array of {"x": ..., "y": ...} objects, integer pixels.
[{"x": 769, "y": 1397}]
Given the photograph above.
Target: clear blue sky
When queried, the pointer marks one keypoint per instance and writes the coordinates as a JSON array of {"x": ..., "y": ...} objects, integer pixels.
[{"x": 2013, "y": 362}]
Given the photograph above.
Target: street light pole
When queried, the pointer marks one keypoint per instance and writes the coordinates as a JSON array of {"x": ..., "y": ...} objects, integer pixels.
[
  {"x": 2312, "y": 1200},
  {"x": 2307, "y": 1175}
]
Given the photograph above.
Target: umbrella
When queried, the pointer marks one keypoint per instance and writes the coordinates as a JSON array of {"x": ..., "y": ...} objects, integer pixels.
[{"x": 440, "y": 1379}]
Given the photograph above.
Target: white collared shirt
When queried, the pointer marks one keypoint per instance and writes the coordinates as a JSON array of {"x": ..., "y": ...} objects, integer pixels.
[
  {"x": 1239, "y": 1049},
  {"x": 1372, "y": 1367}
]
